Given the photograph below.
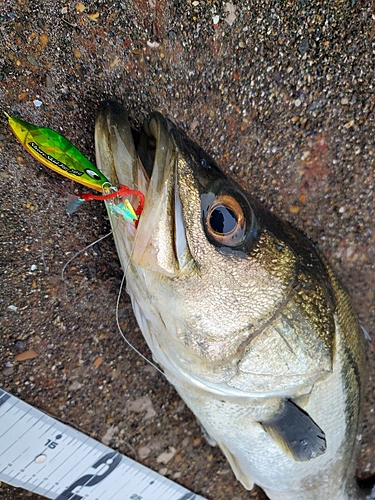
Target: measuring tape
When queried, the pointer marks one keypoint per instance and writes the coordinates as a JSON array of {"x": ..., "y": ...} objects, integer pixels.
[{"x": 40, "y": 454}]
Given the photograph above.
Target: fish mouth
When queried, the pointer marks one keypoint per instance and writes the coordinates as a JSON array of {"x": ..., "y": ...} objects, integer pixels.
[{"x": 146, "y": 161}]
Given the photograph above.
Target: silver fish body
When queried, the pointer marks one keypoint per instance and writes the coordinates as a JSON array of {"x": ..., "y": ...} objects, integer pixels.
[{"x": 241, "y": 311}]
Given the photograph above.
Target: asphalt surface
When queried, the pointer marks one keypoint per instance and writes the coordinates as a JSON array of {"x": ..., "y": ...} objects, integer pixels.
[{"x": 280, "y": 94}]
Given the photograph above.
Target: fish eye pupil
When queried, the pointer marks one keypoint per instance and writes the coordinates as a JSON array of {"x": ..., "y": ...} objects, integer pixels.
[{"x": 223, "y": 220}]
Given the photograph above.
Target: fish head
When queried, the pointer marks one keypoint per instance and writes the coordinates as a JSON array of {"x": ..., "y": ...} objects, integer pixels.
[{"x": 229, "y": 298}]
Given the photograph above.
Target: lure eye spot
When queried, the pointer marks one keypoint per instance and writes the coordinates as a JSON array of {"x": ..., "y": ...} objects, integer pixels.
[{"x": 92, "y": 174}]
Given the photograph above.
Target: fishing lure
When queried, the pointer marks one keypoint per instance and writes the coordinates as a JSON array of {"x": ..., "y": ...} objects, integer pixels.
[
  {"x": 56, "y": 153},
  {"x": 113, "y": 194},
  {"x": 60, "y": 155}
]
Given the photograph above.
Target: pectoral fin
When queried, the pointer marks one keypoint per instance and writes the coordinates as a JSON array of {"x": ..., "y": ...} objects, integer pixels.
[
  {"x": 296, "y": 433},
  {"x": 246, "y": 481}
]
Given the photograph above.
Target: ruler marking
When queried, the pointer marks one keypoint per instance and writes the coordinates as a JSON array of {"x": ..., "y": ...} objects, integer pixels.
[
  {"x": 46, "y": 449},
  {"x": 24, "y": 418},
  {"x": 74, "y": 466},
  {"x": 3, "y": 397},
  {"x": 121, "y": 488},
  {"x": 123, "y": 480},
  {"x": 160, "y": 494},
  {"x": 10, "y": 446},
  {"x": 119, "y": 476},
  {"x": 111, "y": 459},
  {"x": 64, "y": 478},
  {"x": 57, "y": 456},
  {"x": 15, "y": 423},
  {"x": 48, "y": 457},
  {"x": 82, "y": 447}
]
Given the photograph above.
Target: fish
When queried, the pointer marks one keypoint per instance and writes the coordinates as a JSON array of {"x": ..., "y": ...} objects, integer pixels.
[{"x": 241, "y": 311}]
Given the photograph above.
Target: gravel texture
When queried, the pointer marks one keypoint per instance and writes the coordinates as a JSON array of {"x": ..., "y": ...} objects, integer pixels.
[{"x": 281, "y": 94}]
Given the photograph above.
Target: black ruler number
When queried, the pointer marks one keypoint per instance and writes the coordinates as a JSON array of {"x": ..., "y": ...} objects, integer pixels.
[{"x": 112, "y": 460}]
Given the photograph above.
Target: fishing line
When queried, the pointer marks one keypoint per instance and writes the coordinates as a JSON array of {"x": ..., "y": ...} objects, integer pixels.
[
  {"x": 122, "y": 333},
  {"x": 119, "y": 298},
  {"x": 118, "y": 308},
  {"x": 81, "y": 251},
  {"x": 118, "y": 295}
]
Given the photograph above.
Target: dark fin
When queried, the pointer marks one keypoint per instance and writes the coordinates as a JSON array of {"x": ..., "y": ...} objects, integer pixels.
[
  {"x": 367, "y": 485},
  {"x": 296, "y": 433}
]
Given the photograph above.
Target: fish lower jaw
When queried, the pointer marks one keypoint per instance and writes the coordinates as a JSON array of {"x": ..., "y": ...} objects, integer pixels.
[{"x": 178, "y": 376}]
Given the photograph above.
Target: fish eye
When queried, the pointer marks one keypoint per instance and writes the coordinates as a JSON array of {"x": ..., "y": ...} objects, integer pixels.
[
  {"x": 225, "y": 221},
  {"x": 92, "y": 174}
]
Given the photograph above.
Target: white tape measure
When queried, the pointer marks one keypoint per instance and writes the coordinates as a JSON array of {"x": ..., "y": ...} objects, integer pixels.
[{"x": 42, "y": 455}]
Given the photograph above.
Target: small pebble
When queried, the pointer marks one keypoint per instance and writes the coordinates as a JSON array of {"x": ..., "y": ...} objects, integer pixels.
[
  {"x": 32, "y": 61},
  {"x": 144, "y": 452},
  {"x": 93, "y": 17},
  {"x": 37, "y": 103},
  {"x": 294, "y": 209},
  {"x": 166, "y": 456},
  {"x": 33, "y": 267},
  {"x": 109, "y": 435},
  {"x": 49, "y": 82},
  {"x": 153, "y": 45},
  {"x": 303, "y": 46},
  {"x": 98, "y": 361},
  {"x": 80, "y": 7},
  {"x": 231, "y": 9},
  {"x": 140, "y": 405},
  {"x": 23, "y": 356},
  {"x": 43, "y": 39},
  {"x": 74, "y": 386},
  {"x": 344, "y": 101},
  {"x": 13, "y": 308},
  {"x": 77, "y": 53}
]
